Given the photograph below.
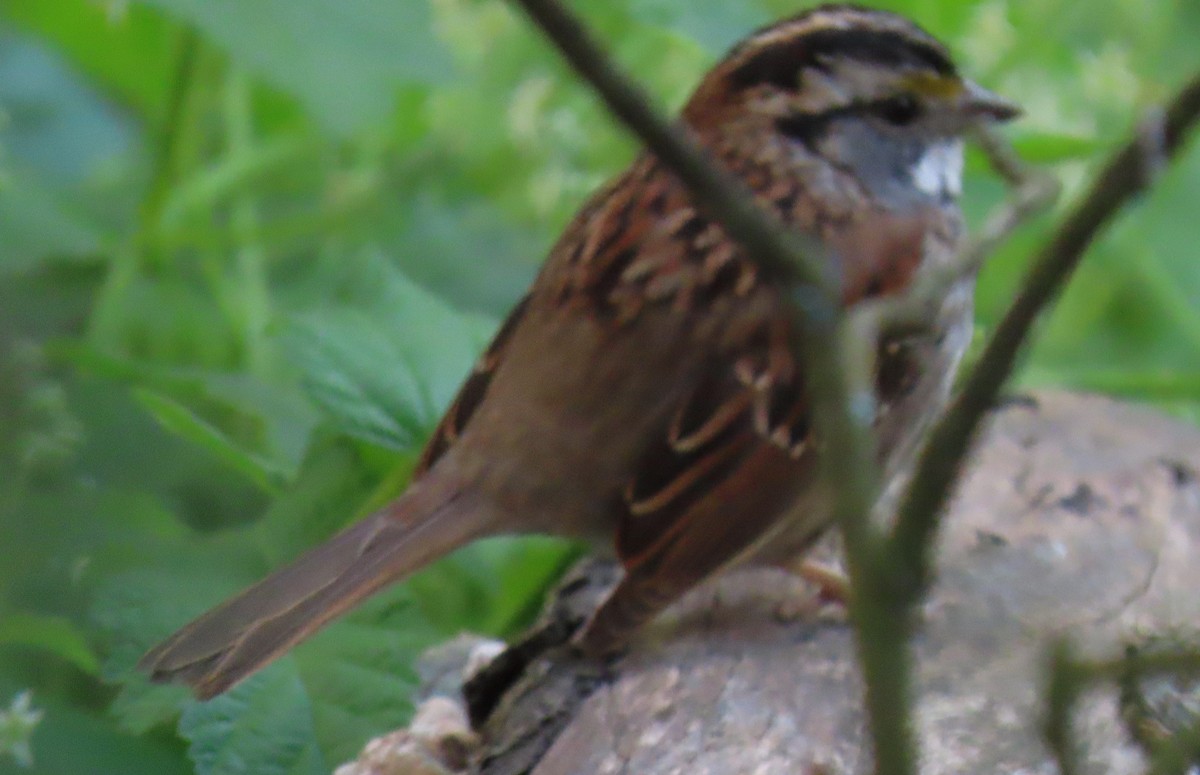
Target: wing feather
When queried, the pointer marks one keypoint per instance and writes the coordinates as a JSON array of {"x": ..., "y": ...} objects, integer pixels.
[{"x": 471, "y": 394}]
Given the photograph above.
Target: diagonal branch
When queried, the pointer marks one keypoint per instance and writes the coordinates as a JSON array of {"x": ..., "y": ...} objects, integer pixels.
[
  {"x": 784, "y": 254},
  {"x": 1033, "y": 192},
  {"x": 1127, "y": 174},
  {"x": 843, "y": 410},
  {"x": 1069, "y": 676},
  {"x": 887, "y": 575}
]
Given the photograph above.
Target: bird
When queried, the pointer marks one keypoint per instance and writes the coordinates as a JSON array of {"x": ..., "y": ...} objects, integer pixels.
[{"x": 645, "y": 395}]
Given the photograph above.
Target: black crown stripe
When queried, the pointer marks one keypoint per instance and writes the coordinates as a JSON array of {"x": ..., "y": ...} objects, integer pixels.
[{"x": 780, "y": 64}]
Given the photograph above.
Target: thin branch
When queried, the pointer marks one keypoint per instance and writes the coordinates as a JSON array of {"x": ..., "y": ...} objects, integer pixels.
[
  {"x": 880, "y": 607},
  {"x": 1126, "y": 175},
  {"x": 783, "y": 253},
  {"x": 844, "y": 411},
  {"x": 1035, "y": 193},
  {"x": 1063, "y": 687},
  {"x": 914, "y": 312},
  {"x": 1178, "y": 754},
  {"x": 1070, "y": 676},
  {"x": 786, "y": 255},
  {"x": 1141, "y": 664}
]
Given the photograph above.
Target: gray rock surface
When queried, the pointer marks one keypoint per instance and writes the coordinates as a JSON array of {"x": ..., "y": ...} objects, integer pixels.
[{"x": 1079, "y": 517}]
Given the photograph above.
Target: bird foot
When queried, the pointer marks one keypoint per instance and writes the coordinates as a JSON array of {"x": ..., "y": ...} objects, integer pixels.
[{"x": 827, "y": 591}]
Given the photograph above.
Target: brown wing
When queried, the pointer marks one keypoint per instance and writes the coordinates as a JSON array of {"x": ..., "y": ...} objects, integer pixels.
[
  {"x": 738, "y": 451},
  {"x": 735, "y": 454},
  {"x": 575, "y": 243},
  {"x": 473, "y": 389}
]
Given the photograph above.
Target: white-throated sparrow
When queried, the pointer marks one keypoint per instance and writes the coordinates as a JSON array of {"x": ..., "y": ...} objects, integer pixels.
[{"x": 645, "y": 394}]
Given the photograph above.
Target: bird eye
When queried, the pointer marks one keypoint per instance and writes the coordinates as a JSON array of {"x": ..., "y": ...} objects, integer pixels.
[{"x": 900, "y": 110}]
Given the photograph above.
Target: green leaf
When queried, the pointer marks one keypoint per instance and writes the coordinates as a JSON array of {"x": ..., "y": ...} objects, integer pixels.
[
  {"x": 344, "y": 59},
  {"x": 323, "y": 497},
  {"x": 36, "y": 221},
  {"x": 315, "y": 708},
  {"x": 1054, "y": 147},
  {"x": 135, "y": 609},
  {"x": 495, "y": 586},
  {"x": 440, "y": 241},
  {"x": 63, "y": 155},
  {"x": 72, "y": 738},
  {"x": 386, "y": 372},
  {"x": 262, "y": 727},
  {"x": 178, "y": 419},
  {"x": 128, "y": 50},
  {"x": 524, "y": 573},
  {"x": 360, "y": 675},
  {"x": 268, "y": 421},
  {"x": 55, "y": 634},
  {"x": 714, "y": 26}
]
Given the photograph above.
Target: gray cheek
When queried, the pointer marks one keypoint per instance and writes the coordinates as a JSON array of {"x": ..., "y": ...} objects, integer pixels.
[{"x": 883, "y": 162}]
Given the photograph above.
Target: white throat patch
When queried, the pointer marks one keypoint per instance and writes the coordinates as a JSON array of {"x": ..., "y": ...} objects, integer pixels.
[{"x": 939, "y": 172}]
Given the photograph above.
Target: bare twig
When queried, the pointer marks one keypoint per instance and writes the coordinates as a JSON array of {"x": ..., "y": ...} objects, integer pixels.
[
  {"x": 1062, "y": 689},
  {"x": 886, "y": 575},
  {"x": 783, "y": 253},
  {"x": 842, "y": 408},
  {"x": 913, "y": 312},
  {"x": 1070, "y": 676},
  {"x": 1140, "y": 664},
  {"x": 1176, "y": 755},
  {"x": 1123, "y": 177},
  {"x": 1034, "y": 191},
  {"x": 1151, "y": 136}
]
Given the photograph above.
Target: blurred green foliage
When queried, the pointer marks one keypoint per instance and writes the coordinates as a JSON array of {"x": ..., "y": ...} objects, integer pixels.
[{"x": 247, "y": 249}]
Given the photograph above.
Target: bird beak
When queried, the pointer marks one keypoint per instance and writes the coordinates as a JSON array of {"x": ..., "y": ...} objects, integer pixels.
[{"x": 977, "y": 102}]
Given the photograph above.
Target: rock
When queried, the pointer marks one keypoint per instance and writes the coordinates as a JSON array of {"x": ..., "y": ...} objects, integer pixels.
[{"x": 1078, "y": 518}]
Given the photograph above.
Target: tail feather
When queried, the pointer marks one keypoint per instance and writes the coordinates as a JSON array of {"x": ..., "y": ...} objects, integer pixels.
[{"x": 243, "y": 634}]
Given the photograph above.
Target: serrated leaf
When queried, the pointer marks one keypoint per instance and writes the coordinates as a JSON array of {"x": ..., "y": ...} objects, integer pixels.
[
  {"x": 55, "y": 634},
  {"x": 360, "y": 675},
  {"x": 137, "y": 608},
  {"x": 343, "y": 59},
  {"x": 386, "y": 373},
  {"x": 376, "y": 642},
  {"x": 263, "y": 726},
  {"x": 316, "y": 707}
]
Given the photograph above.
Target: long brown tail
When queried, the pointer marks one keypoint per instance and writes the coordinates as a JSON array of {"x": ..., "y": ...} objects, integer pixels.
[{"x": 244, "y": 633}]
